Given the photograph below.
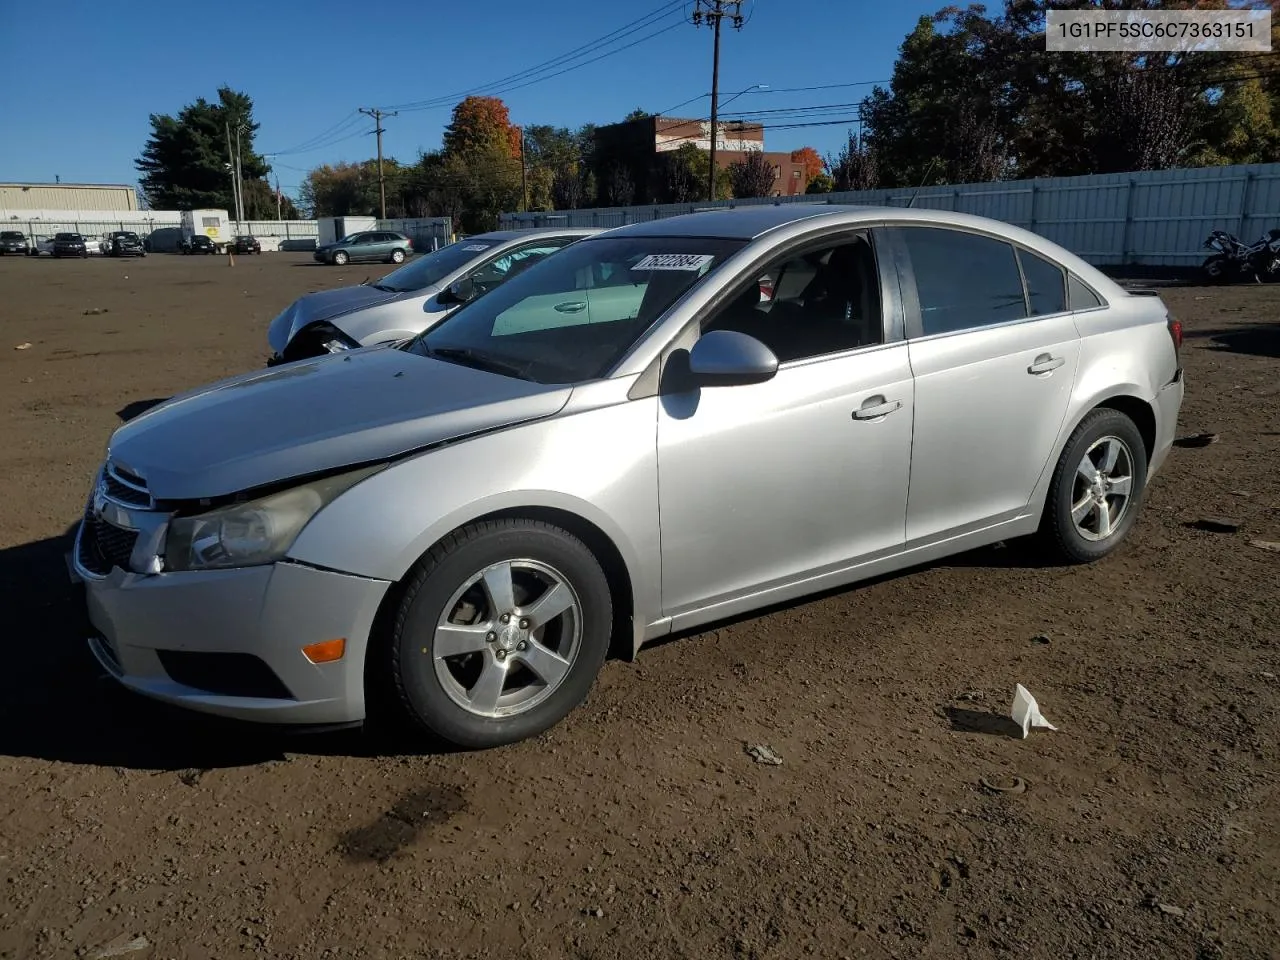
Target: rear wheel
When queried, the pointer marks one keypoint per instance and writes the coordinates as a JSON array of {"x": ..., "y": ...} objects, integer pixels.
[
  {"x": 1097, "y": 488},
  {"x": 340, "y": 258},
  {"x": 500, "y": 633},
  {"x": 397, "y": 256}
]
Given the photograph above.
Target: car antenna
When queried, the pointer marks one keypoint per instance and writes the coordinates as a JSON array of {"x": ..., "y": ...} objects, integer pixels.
[
  {"x": 365, "y": 281},
  {"x": 928, "y": 171}
]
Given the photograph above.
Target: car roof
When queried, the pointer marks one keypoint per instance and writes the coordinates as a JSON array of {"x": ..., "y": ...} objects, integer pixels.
[
  {"x": 520, "y": 233},
  {"x": 750, "y": 222}
]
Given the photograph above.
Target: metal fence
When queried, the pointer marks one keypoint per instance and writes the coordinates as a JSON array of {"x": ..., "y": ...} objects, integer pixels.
[
  {"x": 1152, "y": 218},
  {"x": 427, "y": 233}
]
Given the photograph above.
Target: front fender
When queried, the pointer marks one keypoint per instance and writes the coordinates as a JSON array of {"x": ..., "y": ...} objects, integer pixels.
[{"x": 598, "y": 464}]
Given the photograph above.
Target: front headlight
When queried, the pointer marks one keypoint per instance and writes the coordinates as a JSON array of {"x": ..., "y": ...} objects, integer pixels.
[{"x": 254, "y": 532}]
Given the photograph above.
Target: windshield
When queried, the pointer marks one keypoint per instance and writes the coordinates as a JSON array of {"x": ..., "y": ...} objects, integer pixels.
[
  {"x": 67, "y": 236},
  {"x": 10, "y": 235},
  {"x": 431, "y": 268},
  {"x": 571, "y": 317}
]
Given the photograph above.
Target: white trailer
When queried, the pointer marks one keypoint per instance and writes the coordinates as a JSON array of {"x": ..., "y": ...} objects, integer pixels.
[
  {"x": 333, "y": 229},
  {"x": 214, "y": 224}
]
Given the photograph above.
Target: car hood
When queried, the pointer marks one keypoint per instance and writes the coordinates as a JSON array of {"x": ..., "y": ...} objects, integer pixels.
[
  {"x": 310, "y": 416},
  {"x": 326, "y": 305}
]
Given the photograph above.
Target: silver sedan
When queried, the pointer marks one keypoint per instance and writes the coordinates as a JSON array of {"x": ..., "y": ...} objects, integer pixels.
[{"x": 626, "y": 439}]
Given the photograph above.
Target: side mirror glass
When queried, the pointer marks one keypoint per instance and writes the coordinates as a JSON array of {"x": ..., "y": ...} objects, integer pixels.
[
  {"x": 727, "y": 358},
  {"x": 460, "y": 291}
]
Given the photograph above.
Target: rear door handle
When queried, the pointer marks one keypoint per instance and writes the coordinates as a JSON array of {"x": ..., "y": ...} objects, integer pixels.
[
  {"x": 874, "y": 407},
  {"x": 1045, "y": 363},
  {"x": 574, "y": 307}
]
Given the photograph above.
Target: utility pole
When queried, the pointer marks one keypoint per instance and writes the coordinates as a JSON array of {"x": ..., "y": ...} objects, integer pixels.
[
  {"x": 382, "y": 183},
  {"x": 279, "y": 215},
  {"x": 239, "y": 176},
  {"x": 712, "y": 12},
  {"x": 231, "y": 166},
  {"x": 524, "y": 176}
]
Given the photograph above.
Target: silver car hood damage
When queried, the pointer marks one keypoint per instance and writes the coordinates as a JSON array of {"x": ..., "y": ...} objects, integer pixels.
[
  {"x": 330, "y": 304},
  {"x": 306, "y": 417}
]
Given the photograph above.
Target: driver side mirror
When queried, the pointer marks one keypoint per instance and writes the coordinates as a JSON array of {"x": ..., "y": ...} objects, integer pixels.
[
  {"x": 460, "y": 291},
  {"x": 727, "y": 358}
]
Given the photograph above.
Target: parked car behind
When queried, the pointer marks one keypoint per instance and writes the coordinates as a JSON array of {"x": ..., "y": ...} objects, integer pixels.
[
  {"x": 197, "y": 244},
  {"x": 41, "y": 245},
  {"x": 125, "y": 243},
  {"x": 381, "y": 246},
  {"x": 13, "y": 242},
  {"x": 246, "y": 244},
  {"x": 407, "y": 301},
  {"x": 458, "y": 526},
  {"x": 70, "y": 245}
]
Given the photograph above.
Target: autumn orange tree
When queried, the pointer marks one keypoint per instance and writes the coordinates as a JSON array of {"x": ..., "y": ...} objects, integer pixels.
[{"x": 812, "y": 160}]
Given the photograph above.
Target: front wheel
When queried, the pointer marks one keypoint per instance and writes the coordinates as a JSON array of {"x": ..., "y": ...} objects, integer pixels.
[
  {"x": 1215, "y": 269},
  {"x": 1097, "y": 488},
  {"x": 340, "y": 258},
  {"x": 499, "y": 634}
]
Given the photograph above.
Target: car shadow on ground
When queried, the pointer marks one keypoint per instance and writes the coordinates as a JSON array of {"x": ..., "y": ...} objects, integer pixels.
[
  {"x": 57, "y": 703},
  {"x": 1258, "y": 340},
  {"x": 1015, "y": 554},
  {"x": 137, "y": 408}
]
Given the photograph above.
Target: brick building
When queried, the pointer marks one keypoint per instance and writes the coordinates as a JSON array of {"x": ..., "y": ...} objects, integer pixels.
[{"x": 637, "y": 145}]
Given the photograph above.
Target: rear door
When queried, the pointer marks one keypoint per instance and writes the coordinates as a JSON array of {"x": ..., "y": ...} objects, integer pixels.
[{"x": 994, "y": 351}]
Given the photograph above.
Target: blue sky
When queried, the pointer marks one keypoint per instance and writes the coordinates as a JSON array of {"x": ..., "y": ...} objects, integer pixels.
[{"x": 95, "y": 71}]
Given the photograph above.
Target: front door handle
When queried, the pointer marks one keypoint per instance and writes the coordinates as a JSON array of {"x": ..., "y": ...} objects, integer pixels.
[
  {"x": 575, "y": 307},
  {"x": 875, "y": 407},
  {"x": 1045, "y": 363}
]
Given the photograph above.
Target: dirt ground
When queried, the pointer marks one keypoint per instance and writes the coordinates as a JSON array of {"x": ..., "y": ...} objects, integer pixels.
[{"x": 640, "y": 828}]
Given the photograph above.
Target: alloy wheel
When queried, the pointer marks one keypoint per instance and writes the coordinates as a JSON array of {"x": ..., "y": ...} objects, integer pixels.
[
  {"x": 1103, "y": 488},
  {"x": 508, "y": 638}
]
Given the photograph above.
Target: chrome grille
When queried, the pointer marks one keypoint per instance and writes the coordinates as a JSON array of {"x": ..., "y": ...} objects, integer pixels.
[
  {"x": 124, "y": 487},
  {"x": 103, "y": 546}
]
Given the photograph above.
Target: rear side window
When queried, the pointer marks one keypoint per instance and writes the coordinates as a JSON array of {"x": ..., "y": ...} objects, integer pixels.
[
  {"x": 1082, "y": 298},
  {"x": 963, "y": 280},
  {"x": 1046, "y": 284}
]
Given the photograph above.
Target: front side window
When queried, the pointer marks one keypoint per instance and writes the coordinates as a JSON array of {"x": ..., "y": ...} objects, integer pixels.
[
  {"x": 553, "y": 323},
  {"x": 822, "y": 302},
  {"x": 963, "y": 280}
]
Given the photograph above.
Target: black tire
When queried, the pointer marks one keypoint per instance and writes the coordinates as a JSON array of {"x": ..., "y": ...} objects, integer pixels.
[
  {"x": 340, "y": 259},
  {"x": 397, "y": 256},
  {"x": 1058, "y": 534},
  {"x": 1216, "y": 269},
  {"x": 412, "y": 679}
]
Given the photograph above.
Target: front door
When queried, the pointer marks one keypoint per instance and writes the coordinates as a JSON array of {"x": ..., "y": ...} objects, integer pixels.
[
  {"x": 769, "y": 483},
  {"x": 994, "y": 351}
]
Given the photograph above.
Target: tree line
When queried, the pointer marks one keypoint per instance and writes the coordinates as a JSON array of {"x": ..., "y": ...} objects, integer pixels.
[{"x": 973, "y": 97}]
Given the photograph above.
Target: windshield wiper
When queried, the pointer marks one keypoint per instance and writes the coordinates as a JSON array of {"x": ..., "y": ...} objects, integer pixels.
[{"x": 481, "y": 361}]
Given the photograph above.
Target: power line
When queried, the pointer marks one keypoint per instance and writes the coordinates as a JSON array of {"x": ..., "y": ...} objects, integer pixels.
[
  {"x": 649, "y": 19},
  {"x": 338, "y": 132}
]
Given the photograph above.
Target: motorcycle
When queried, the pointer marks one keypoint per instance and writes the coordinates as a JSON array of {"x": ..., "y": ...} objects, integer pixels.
[{"x": 1235, "y": 259}]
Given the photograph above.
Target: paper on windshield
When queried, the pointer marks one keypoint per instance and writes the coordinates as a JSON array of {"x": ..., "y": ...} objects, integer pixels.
[
  {"x": 476, "y": 246},
  {"x": 693, "y": 262}
]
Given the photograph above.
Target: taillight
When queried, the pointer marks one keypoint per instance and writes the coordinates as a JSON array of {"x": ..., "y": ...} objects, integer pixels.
[{"x": 1175, "y": 333}]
